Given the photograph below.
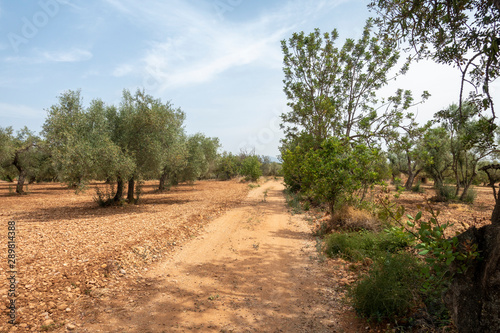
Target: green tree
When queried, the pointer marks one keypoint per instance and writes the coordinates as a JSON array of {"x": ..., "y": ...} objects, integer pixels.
[
  {"x": 332, "y": 92},
  {"x": 19, "y": 155},
  {"x": 461, "y": 33},
  {"x": 202, "y": 157},
  {"x": 6, "y": 153},
  {"x": 251, "y": 168},
  {"x": 146, "y": 127},
  {"x": 80, "y": 141},
  {"x": 438, "y": 159},
  {"x": 336, "y": 171},
  {"x": 228, "y": 166},
  {"x": 405, "y": 154},
  {"x": 470, "y": 142}
]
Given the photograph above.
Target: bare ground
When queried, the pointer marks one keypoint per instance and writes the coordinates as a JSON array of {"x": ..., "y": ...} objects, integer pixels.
[
  {"x": 208, "y": 257},
  {"x": 203, "y": 257}
]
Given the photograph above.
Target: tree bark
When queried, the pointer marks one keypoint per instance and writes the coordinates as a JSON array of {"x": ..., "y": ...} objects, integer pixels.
[
  {"x": 495, "y": 216},
  {"x": 411, "y": 179},
  {"x": 119, "y": 189},
  {"x": 163, "y": 178},
  {"x": 22, "y": 173},
  {"x": 131, "y": 188},
  {"x": 20, "y": 182}
]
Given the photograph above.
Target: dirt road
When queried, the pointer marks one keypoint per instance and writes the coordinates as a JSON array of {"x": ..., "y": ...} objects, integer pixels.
[{"x": 254, "y": 270}]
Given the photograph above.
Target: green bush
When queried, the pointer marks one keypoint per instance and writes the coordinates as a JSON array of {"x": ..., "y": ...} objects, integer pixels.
[
  {"x": 470, "y": 196},
  {"x": 356, "y": 246},
  {"x": 417, "y": 188},
  {"x": 105, "y": 198},
  {"x": 293, "y": 201},
  {"x": 389, "y": 289},
  {"x": 446, "y": 193},
  {"x": 250, "y": 168}
]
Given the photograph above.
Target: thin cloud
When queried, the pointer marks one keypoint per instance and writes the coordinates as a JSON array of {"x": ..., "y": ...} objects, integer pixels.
[
  {"x": 123, "y": 70},
  {"x": 193, "y": 44},
  {"x": 74, "y": 55},
  {"x": 19, "y": 111}
]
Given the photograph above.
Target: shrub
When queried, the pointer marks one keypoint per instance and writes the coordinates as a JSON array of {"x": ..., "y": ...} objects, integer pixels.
[
  {"x": 356, "y": 246},
  {"x": 417, "y": 188},
  {"x": 293, "y": 201},
  {"x": 470, "y": 196},
  {"x": 105, "y": 198},
  {"x": 354, "y": 219},
  {"x": 250, "y": 168},
  {"x": 389, "y": 289},
  {"x": 446, "y": 193}
]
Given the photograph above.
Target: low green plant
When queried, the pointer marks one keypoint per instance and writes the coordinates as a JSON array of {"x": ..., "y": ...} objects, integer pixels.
[
  {"x": 470, "y": 196},
  {"x": 356, "y": 246},
  {"x": 446, "y": 193},
  {"x": 293, "y": 201},
  {"x": 417, "y": 188},
  {"x": 105, "y": 198},
  {"x": 389, "y": 289},
  {"x": 439, "y": 251}
]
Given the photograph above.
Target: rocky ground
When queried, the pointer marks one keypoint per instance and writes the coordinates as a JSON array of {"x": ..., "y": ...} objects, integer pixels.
[{"x": 215, "y": 256}]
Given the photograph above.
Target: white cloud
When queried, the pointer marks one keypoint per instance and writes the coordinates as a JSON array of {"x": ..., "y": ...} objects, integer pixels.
[
  {"x": 19, "y": 111},
  {"x": 192, "y": 43},
  {"x": 73, "y": 55},
  {"x": 123, "y": 70}
]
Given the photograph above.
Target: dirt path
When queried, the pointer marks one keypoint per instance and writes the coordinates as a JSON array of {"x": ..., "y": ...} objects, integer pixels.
[{"x": 254, "y": 270}]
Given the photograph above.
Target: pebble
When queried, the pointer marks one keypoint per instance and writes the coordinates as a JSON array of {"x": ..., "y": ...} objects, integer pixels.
[
  {"x": 62, "y": 306},
  {"x": 70, "y": 327},
  {"x": 48, "y": 322}
]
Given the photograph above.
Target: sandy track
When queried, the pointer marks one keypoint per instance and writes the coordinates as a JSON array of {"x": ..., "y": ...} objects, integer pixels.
[{"x": 252, "y": 271}]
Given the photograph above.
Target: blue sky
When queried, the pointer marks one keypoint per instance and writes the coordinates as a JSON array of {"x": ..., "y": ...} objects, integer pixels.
[{"x": 220, "y": 61}]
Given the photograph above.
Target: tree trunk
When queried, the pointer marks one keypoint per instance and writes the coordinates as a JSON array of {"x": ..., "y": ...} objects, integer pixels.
[
  {"x": 495, "y": 216},
  {"x": 20, "y": 182},
  {"x": 131, "y": 188},
  {"x": 119, "y": 190},
  {"x": 163, "y": 178},
  {"x": 411, "y": 179},
  {"x": 474, "y": 296}
]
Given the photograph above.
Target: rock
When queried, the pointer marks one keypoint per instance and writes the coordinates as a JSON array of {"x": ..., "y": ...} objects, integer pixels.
[
  {"x": 70, "y": 327},
  {"x": 122, "y": 271},
  {"x": 103, "y": 266},
  {"x": 62, "y": 306},
  {"x": 48, "y": 322}
]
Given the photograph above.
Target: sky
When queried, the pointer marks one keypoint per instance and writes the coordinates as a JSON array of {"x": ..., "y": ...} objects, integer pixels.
[{"x": 220, "y": 61}]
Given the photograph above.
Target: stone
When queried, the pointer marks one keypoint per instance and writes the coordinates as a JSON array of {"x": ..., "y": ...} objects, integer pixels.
[
  {"x": 62, "y": 307},
  {"x": 48, "y": 322},
  {"x": 70, "y": 327}
]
